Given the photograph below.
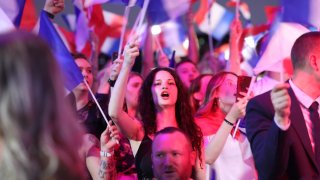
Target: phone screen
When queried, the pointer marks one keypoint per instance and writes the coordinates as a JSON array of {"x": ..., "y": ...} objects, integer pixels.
[{"x": 243, "y": 85}]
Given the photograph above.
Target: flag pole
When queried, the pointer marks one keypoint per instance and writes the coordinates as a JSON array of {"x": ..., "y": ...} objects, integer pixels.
[
  {"x": 143, "y": 14},
  {"x": 210, "y": 4},
  {"x": 99, "y": 107},
  {"x": 237, "y": 9},
  {"x": 123, "y": 29},
  {"x": 95, "y": 100}
]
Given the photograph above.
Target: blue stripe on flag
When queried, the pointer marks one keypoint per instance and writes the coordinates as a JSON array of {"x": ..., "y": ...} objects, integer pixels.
[
  {"x": 70, "y": 70},
  {"x": 223, "y": 26}
]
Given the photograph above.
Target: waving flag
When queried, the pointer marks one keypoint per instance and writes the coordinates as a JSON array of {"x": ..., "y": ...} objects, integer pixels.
[
  {"x": 70, "y": 70},
  {"x": 5, "y": 23},
  {"x": 305, "y": 12},
  {"x": 13, "y": 9},
  {"x": 163, "y": 10},
  {"x": 279, "y": 47},
  {"x": 243, "y": 8},
  {"x": 105, "y": 25},
  {"x": 67, "y": 37},
  {"x": 173, "y": 34},
  {"x": 88, "y": 3},
  {"x": 215, "y": 20},
  {"x": 82, "y": 25},
  {"x": 29, "y": 16}
]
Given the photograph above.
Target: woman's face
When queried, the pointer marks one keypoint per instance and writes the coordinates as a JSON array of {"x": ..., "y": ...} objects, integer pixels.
[
  {"x": 133, "y": 88},
  {"x": 187, "y": 72},
  {"x": 228, "y": 89},
  {"x": 164, "y": 89},
  {"x": 86, "y": 71}
]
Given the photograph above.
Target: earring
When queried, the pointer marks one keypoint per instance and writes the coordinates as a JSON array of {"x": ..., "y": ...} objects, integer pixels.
[{"x": 215, "y": 102}]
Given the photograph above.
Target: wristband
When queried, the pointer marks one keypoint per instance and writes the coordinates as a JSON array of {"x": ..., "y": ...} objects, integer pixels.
[
  {"x": 105, "y": 154},
  {"x": 228, "y": 122},
  {"x": 51, "y": 16},
  {"x": 111, "y": 82}
]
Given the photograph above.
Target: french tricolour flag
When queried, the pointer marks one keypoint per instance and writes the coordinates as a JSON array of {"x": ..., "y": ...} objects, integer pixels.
[
  {"x": 109, "y": 38},
  {"x": 173, "y": 35},
  {"x": 82, "y": 29},
  {"x": 279, "y": 47},
  {"x": 70, "y": 70},
  {"x": 88, "y": 3},
  {"x": 13, "y": 9},
  {"x": 5, "y": 23},
  {"x": 215, "y": 20},
  {"x": 160, "y": 11},
  {"x": 305, "y": 12}
]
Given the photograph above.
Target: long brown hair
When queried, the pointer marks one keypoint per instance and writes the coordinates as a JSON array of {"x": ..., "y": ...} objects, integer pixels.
[
  {"x": 39, "y": 135},
  {"x": 184, "y": 115},
  {"x": 211, "y": 103}
]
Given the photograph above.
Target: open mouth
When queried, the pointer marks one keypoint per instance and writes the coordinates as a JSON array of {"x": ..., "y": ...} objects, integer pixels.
[{"x": 165, "y": 94}]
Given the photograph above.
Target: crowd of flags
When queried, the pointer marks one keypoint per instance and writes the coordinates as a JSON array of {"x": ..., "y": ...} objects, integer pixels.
[{"x": 211, "y": 18}]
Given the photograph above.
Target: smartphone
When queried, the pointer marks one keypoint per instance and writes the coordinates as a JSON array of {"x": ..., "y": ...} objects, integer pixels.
[
  {"x": 243, "y": 85},
  {"x": 114, "y": 56}
]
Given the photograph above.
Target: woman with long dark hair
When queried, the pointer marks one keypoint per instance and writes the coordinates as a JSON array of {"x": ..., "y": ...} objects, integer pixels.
[{"x": 163, "y": 102}]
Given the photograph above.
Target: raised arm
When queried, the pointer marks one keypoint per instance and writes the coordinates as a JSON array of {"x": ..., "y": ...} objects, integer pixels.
[
  {"x": 148, "y": 60},
  {"x": 101, "y": 166},
  {"x": 193, "y": 49},
  {"x": 266, "y": 138},
  {"x": 216, "y": 145},
  {"x": 235, "y": 51},
  {"x": 54, "y": 6},
  {"x": 129, "y": 126}
]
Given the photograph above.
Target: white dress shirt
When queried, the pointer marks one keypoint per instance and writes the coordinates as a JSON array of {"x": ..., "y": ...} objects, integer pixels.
[{"x": 305, "y": 103}]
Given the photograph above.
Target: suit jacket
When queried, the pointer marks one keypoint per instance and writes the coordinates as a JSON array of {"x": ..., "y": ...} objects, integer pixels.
[{"x": 279, "y": 154}]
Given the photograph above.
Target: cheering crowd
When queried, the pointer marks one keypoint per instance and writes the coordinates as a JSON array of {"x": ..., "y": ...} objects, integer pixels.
[{"x": 163, "y": 121}]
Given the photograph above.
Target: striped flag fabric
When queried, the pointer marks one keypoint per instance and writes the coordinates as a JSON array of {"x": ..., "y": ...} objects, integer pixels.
[
  {"x": 88, "y": 3},
  {"x": 279, "y": 47},
  {"x": 305, "y": 12},
  {"x": 214, "y": 20},
  {"x": 13, "y": 9},
  {"x": 70, "y": 70},
  {"x": 29, "y": 16},
  {"x": 173, "y": 34},
  {"x": 5, "y": 23},
  {"x": 107, "y": 32},
  {"x": 164, "y": 10}
]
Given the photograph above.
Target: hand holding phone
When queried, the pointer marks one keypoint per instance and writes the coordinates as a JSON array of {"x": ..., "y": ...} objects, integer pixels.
[{"x": 243, "y": 85}]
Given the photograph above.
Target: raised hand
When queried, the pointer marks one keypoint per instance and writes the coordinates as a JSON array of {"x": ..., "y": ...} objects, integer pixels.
[
  {"x": 131, "y": 51},
  {"x": 54, "y": 6},
  {"x": 281, "y": 102},
  {"x": 235, "y": 32},
  {"x": 238, "y": 110},
  {"x": 115, "y": 68},
  {"x": 109, "y": 139}
]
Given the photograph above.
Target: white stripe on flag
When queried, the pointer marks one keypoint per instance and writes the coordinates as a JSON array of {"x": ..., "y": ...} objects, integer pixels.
[{"x": 5, "y": 23}]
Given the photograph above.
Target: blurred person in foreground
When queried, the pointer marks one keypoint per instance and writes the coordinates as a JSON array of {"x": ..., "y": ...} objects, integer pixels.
[{"x": 39, "y": 137}]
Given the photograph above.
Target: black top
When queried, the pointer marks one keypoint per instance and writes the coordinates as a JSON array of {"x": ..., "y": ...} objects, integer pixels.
[
  {"x": 95, "y": 124},
  {"x": 143, "y": 159},
  {"x": 91, "y": 117}
]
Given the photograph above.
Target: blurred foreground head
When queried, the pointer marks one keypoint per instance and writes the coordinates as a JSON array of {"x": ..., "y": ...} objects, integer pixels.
[{"x": 39, "y": 138}]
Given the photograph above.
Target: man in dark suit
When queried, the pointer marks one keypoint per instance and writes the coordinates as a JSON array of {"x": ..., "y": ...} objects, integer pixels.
[{"x": 282, "y": 127}]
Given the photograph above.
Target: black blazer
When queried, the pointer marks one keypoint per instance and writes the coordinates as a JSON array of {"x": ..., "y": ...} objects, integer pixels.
[{"x": 279, "y": 154}]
